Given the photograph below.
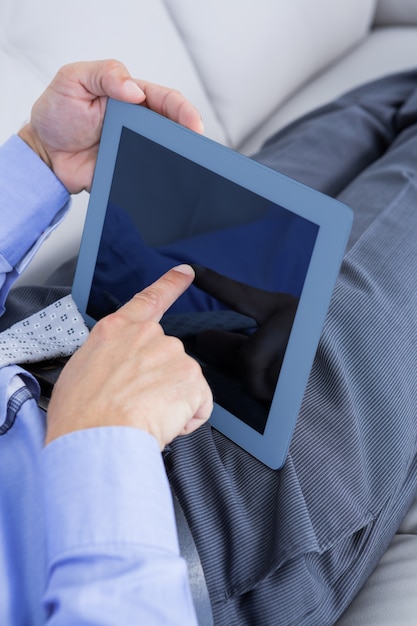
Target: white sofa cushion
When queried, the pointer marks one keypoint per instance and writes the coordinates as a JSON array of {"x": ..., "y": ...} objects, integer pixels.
[
  {"x": 383, "y": 51},
  {"x": 42, "y": 36},
  {"x": 389, "y": 595},
  {"x": 20, "y": 86},
  {"x": 291, "y": 40}
]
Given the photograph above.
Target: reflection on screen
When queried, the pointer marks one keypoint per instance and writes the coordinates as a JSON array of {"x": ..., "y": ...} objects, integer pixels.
[{"x": 252, "y": 254}]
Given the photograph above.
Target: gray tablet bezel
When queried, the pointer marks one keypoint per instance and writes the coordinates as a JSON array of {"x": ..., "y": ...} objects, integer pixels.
[{"x": 333, "y": 218}]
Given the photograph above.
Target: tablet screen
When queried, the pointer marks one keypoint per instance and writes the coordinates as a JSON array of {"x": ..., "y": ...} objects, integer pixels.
[{"x": 164, "y": 209}]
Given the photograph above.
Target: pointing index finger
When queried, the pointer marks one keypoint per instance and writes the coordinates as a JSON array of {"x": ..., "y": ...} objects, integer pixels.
[{"x": 151, "y": 303}]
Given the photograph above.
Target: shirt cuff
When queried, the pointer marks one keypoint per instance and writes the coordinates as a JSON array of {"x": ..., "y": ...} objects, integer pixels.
[
  {"x": 106, "y": 485},
  {"x": 31, "y": 198}
]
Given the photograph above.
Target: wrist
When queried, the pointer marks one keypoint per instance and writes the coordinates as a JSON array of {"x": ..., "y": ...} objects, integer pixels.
[{"x": 32, "y": 140}]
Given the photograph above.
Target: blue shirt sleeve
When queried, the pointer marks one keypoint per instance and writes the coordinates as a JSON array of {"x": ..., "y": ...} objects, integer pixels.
[
  {"x": 113, "y": 554},
  {"x": 112, "y": 549},
  {"x": 33, "y": 202}
]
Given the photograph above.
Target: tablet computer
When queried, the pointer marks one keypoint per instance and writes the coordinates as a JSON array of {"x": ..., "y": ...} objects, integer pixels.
[{"x": 267, "y": 252}]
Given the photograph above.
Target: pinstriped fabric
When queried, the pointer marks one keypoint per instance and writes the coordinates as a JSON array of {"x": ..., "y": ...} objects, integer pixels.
[
  {"x": 26, "y": 300},
  {"x": 295, "y": 546}
]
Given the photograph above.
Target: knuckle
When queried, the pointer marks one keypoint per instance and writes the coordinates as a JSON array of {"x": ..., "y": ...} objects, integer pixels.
[
  {"x": 106, "y": 327},
  {"x": 194, "y": 370},
  {"x": 172, "y": 98},
  {"x": 175, "y": 347},
  {"x": 111, "y": 65},
  {"x": 189, "y": 366},
  {"x": 151, "y": 298},
  {"x": 174, "y": 94}
]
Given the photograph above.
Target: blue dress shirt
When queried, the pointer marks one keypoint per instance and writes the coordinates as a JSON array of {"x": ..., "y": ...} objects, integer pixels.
[{"x": 87, "y": 528}]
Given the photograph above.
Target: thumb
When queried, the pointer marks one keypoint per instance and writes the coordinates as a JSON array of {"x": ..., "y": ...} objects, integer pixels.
[{"x": 106, "y": 78}]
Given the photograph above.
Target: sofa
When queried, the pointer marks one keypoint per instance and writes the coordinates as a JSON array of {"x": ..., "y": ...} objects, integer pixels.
[{"x": 251, "y": 68}]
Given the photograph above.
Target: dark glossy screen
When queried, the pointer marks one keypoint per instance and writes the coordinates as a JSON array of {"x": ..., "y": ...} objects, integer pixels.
[{"x": 164, "y": 210}]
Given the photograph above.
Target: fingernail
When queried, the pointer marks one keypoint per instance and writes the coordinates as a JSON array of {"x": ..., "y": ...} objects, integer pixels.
[
  {"x": 184, "y": 269},
  {"x": 133, "y": 88}
]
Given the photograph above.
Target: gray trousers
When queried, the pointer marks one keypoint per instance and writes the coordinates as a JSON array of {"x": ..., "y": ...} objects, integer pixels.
[{"x": 294, "y": 546}]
